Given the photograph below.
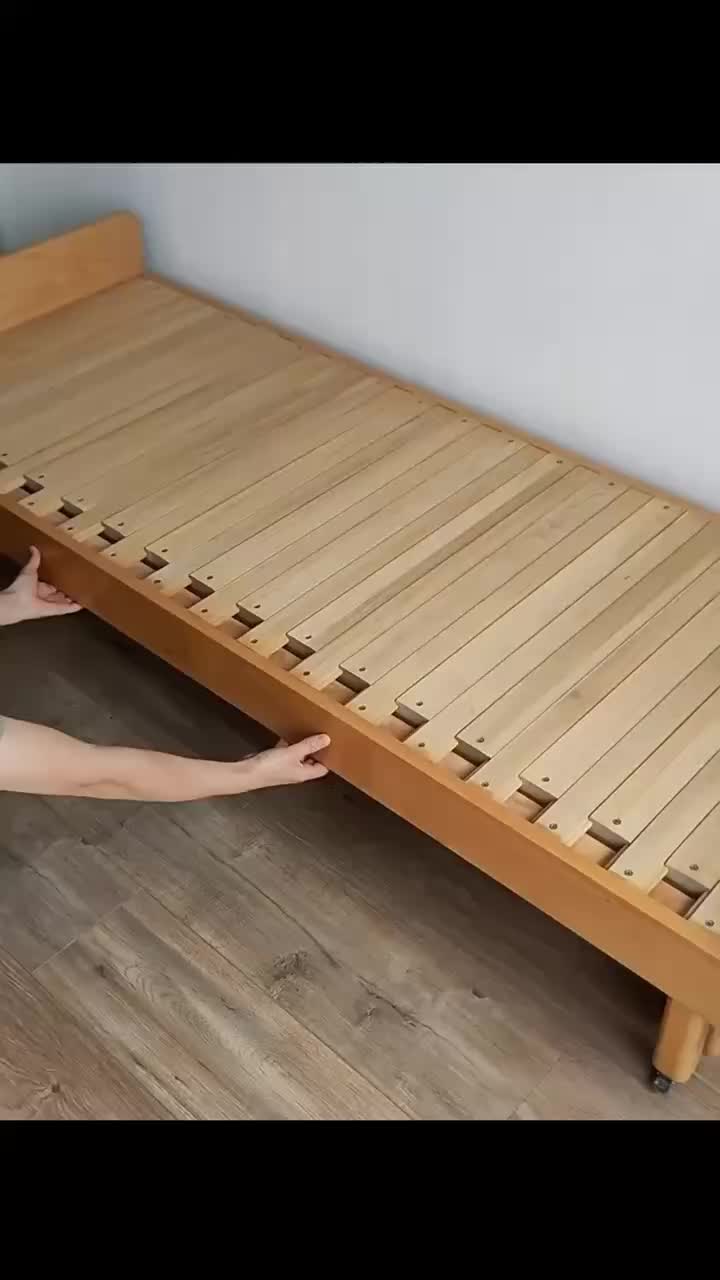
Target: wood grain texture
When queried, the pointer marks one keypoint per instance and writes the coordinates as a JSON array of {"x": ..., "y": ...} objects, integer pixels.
[
  {"x": 47, "y": 276},
  {"x": 638, "y": 931},
  {"x": 53, "y": 1068}
]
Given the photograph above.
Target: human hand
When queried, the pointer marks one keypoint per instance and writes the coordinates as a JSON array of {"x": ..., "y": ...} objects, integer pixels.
[
  {"x": 283, "y": 765},
  {"x": 27, "y": 597}
]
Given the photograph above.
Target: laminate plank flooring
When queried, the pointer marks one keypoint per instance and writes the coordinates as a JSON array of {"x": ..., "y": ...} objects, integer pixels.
[{"x": 288, "y": 955}]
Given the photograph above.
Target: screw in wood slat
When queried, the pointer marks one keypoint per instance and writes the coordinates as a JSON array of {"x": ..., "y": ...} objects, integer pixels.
[
  {"x": 553, "y": 826},
  {"x": 617, "y": 822},
  {"x": 694, "y": 866},
  {"x": 710, "y": 924},
  {"x": 628, "y": 872}
]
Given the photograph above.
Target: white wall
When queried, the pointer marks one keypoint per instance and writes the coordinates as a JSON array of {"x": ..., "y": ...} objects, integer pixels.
[{"x": 579, "y": 301}]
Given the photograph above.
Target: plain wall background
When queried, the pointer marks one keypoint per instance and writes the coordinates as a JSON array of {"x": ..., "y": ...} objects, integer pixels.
[{"x": 578, "y": 301}]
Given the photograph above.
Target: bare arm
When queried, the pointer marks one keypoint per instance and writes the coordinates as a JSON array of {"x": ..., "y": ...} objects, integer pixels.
[{"x": 42, "y": 761}]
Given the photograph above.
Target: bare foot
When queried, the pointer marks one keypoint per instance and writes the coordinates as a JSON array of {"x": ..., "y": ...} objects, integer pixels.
[{"x": 282, "y": 765}]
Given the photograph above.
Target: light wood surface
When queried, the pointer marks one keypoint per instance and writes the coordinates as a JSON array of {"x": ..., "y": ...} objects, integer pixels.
[
  {"x": 510, "y": 648},
  {"x": 57, "y": 272}
]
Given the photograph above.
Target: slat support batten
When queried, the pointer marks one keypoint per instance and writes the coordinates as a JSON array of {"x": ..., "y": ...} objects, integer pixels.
[
  {"x": 44, "y": 277},
  {"x": 681, "y": 1043},
  {"x": 634, "y": 929}
]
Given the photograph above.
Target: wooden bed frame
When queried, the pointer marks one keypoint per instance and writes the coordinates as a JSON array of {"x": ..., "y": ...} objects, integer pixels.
[{"x": 552, "y": 629}]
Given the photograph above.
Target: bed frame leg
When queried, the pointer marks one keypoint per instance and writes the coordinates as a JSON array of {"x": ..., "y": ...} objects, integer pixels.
[{"x": 684, "y": 1037}]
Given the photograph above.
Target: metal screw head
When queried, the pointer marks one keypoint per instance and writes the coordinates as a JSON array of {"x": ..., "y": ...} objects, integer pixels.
[
  {"x": 694, "y": 866},
  {"x": 628, "y": 873},
  {"x": 710, "y": 924},
  {"x": 553, "y": 826}
]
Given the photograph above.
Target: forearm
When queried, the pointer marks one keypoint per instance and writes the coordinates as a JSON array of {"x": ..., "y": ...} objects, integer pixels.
[{"x": 38, "y": 760}]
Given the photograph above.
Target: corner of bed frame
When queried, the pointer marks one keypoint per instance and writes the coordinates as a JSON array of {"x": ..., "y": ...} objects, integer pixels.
[{"x": 54, "y": 273}]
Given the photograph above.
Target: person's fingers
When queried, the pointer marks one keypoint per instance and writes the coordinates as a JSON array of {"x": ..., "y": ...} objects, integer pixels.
[
  {"x": 31, "y": 568},
  {"x": 51, "y": 596},
  {"x": 308, "y": 746},
  {"x": 46, "y": 591},
  {"x": 312, "y": 769},
  {"x": 50, "y": 609}
]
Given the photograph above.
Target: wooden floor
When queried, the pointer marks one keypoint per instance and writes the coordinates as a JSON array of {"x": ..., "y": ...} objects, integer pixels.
[{"x": 295, "y": 954}]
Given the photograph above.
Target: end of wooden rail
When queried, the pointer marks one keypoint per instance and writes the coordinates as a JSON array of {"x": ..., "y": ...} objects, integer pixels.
[{"x": 44, "y": 277}]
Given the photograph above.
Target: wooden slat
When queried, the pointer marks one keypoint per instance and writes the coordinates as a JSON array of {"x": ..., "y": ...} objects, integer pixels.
[
  {"x": 566, "y": 517},
  {"x": 566, "y": 667},
  {"x": 473, "y": 574},
  {"x": 622, "y": 529},
  {"x": 699, "y": 855},
  {"x": 88, "y": 458},
  {"x": 477, "y": 604},
  {"x": 502, "y": 773},
  {"x": 439, "y": 433},
  {"x": 35, "y": 348},
  {"x": 53, "y": 274},
  {"x": 174, "y": 506},
  {"x": 165, "y": 363},
  {"x": 515, "y": 488},
  {"x": 273, "y": 501},
  {"x": 282, "y": 491},
  {"x": 641, "y": 797},
  {"x": 163, "y": 510},
  {"x": 408, "y": 491},
  {"x": 644, "y": 860},
  {"x": 631, "y": 722},
  {"x": 578, "y": 749},
  {"x": 445, "y": 727},
  {"x": 142, "y": 338},
  {"x": 707, "y": 915},
  {"x": 218, "y": 420},
  {"x": 422, "y": 511},
  {"x": 336, "y": 621},
  {"x": 90, "y": 333}
]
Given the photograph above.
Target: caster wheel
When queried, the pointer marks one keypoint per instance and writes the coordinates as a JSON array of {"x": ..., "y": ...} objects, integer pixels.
[{"x": 660, "y": 1082}]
